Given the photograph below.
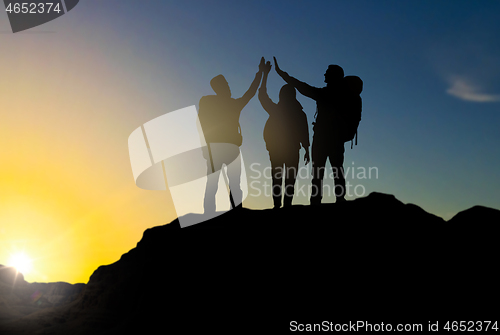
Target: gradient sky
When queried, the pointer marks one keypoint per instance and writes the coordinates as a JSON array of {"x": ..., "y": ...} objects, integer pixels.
[{"x": 73, "y": 90}]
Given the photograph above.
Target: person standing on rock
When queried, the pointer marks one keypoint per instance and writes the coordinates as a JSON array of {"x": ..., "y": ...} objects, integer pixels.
[
  {"x": 285, "y": 131},
  {"x": 328, "y": 138},
  {"x": 219, "y": 119}
]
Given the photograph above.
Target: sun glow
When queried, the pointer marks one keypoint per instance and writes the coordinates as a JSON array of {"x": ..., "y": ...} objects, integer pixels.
[{"x": 21, "y": 262}]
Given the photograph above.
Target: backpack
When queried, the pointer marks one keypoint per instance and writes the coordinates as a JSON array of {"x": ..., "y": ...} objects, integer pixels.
[
  {"x": 284, "y": 129},
  {"x": 218, "y": 126},
  {"x": 351, "y": 106}
]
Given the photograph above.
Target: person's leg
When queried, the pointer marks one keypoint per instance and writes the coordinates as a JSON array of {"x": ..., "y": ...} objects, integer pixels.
[
  {"x": 318, "y": 161},
  {"x": 221, "y": 154},
  {"x": 291, "y": 168},
  {"x": 211, "y": 188},
  {"x": 277, "y": 180},
  {"x": 337, "y": 162},
  {"x": 233, "y": 163}
]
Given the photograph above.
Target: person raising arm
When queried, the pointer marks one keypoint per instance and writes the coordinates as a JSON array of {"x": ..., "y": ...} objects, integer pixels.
[
  {"x": 304, "y": 89},
  {"x": 254, "y": 86},
  {"x": 266, "y": 102}
]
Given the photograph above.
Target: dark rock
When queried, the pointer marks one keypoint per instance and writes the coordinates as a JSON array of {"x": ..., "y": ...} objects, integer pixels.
[
  {"x": 477, "y": 214},
  {"x": 260, "y": 269}
]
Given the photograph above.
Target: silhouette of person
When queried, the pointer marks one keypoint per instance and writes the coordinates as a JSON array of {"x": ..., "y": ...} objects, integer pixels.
[
  {"x": 285, "y": 130},
  {"x": 219, "y": 119},
  {"x": 328, "y": 142}
]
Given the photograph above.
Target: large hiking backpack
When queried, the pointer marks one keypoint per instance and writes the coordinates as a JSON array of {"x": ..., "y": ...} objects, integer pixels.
[
  {"x": 348, "y": 110},
  {"x": 351, "y": 108}
]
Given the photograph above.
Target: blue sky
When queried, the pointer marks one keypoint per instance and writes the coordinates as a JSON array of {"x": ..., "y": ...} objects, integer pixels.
[
  {"x": 430, "y": 70},
  {"x": 75, "y": 88}
]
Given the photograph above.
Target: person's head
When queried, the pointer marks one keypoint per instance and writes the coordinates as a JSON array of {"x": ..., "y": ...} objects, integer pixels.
[
  {"x": 334, "y": 74},
  {"x": 220, "y": 86},
  {"x": 288, "y": 93}
]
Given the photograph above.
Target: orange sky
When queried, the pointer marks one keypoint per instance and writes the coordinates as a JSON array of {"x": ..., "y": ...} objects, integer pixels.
[{"x": 68, "y": 199}]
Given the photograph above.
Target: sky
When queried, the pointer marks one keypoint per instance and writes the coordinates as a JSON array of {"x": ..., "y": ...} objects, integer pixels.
[{"x": 73, "y": 90}]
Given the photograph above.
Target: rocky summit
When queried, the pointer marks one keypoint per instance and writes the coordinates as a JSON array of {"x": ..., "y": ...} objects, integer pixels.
[{"x": 258, "y": 270}]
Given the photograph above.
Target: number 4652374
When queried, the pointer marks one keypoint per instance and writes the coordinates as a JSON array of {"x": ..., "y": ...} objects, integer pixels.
[
  {"x": 33, "y": 8},
  {"x": 471, "y": 326}
]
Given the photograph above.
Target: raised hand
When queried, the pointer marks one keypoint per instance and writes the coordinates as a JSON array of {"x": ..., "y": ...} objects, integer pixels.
[
  {"x": 267, "y": 67},
  {"x": 276, "y": 66},
  {"x": 262, "y": 64}
]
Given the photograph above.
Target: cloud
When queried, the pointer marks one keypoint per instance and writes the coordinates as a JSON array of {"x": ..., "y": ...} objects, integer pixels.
[{"x": 464, "y": 89}]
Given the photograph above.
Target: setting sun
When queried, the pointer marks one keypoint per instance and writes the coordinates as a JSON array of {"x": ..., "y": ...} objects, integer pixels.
[{"x": 21, "y": 262}]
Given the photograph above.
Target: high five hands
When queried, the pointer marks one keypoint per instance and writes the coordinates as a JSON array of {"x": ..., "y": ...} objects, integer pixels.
[
  {"x": 262, "y": 64},
  {"x": 267, "y": 67},
  {"x": 264, "y": 67}
]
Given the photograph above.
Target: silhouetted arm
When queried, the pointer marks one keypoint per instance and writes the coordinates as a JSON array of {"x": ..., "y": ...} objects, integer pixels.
[
  {"x": 253, "y": 87},
  {"x": 305, "y": 89},
  {"x": 264, "y": 99}
]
